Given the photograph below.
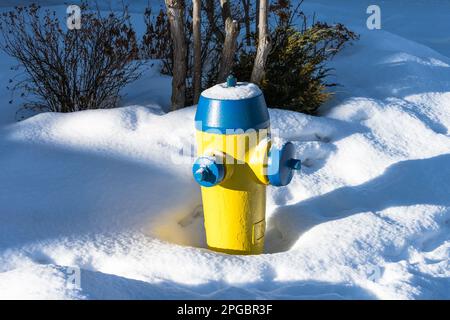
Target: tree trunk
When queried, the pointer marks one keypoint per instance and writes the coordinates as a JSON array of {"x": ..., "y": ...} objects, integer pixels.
[
  {"x": 257, "y": 15},
  {"x": 246, "y": 6},
  {"x": 211, "y": 16},
  {"x": 175, "y": 12},
  {"x": 230, "y": 43},
  {"x": 196, "y": 16},
  {"x": 263, "y": 45}
]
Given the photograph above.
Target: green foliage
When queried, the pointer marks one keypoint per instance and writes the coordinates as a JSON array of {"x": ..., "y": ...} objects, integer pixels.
[{"x": 296, "y": 72}]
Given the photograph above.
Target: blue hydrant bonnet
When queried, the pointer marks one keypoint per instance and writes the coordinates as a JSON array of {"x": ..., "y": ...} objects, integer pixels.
[{"x": 232, "y": 106}]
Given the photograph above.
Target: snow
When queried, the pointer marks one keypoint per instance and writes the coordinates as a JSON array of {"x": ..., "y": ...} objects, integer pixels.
[
  {"x": 242, "y": 90},
  {"x": 108, "y": 194}
]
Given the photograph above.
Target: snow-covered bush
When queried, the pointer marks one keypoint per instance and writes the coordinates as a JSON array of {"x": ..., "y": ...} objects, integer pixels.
[{"x": 70, "y": 70}]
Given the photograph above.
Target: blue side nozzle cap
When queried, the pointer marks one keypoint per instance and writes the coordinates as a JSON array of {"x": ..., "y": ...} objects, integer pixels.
[
  {"x": 282, "y": 165},
  {"x": 207, "y": 172}
]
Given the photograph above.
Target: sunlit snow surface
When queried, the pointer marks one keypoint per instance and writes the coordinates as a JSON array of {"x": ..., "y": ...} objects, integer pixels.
[
  {"x": 242, "y": 90},
  {"x": 108, "y": 194}
]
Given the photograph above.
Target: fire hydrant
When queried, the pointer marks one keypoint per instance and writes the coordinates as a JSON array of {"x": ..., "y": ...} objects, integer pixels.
[{"x": 236, "y": 161}]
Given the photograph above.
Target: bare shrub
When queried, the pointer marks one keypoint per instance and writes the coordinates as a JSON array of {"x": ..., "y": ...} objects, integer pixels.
[
  {"x": 70, "y": 70},
  {"x": 156, "y": 41}
]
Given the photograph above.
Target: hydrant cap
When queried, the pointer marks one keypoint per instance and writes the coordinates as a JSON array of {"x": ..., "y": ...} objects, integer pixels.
[
  {"x": 207, "y": 172},
  {"x": 282, "y": 164},
  {"x": 239, "y": 107},
  {"x": 231, "y": 81}
]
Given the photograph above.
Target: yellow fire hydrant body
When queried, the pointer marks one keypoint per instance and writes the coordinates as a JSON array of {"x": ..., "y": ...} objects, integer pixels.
[{"x": 235, "y": 164}]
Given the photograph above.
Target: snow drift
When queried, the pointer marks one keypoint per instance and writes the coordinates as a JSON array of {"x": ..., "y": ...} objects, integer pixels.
[{"x": 368, "y": 217}]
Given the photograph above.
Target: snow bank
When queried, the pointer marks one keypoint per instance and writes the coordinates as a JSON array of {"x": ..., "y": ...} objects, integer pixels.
[
  {"x": 108, "y": 194},
  {"x": 242, "y": 90}
]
